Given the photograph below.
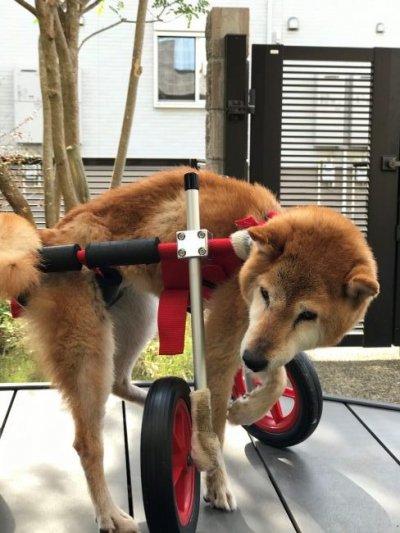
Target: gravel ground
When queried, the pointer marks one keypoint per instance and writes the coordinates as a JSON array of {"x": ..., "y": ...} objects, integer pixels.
[{"x": 372, "y": 380}]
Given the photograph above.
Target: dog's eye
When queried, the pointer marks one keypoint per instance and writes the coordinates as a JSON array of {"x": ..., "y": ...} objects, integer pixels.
[
  {"x": 265, "y": 295},
  {"x": 306, "y": 315}
]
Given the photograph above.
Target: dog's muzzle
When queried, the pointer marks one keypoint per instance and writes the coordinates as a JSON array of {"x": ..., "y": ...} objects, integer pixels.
[{"x": 254, "y": 362}]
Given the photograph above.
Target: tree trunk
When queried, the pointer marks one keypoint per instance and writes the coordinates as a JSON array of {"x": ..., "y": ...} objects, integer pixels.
[
  {"x": 78, "y": 172},
  {"x": 13, "y": 195},
  {"x": 67, "y": 49},
  {"x": 136, "y": 71},
  {"x": 69, "y": 84},
  {"x": 51, "y": 190},
  {"x": 46, "y": 14}
]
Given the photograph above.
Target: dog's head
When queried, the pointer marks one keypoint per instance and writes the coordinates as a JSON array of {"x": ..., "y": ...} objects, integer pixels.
[{"x": 309, "y": 279}]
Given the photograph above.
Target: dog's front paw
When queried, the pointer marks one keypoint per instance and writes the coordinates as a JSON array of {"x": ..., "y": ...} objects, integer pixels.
[
  {"x": 118, "y": 522},
  {"x": 244, "y": 411},
  {"x": 218, "y": 493},
  {"x": 240, "y": 412}
]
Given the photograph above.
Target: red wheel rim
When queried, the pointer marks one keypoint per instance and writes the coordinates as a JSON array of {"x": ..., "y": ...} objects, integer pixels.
[
  {"x": 285, "y": 412},
  {"x": 183, "y": 470}
]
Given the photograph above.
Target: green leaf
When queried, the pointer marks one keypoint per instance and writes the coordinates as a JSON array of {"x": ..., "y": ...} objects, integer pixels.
[{"x": 182, "y": 8}]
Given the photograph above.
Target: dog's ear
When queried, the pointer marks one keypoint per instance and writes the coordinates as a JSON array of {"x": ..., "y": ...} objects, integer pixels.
[
  {"x": 270, "y": 237},
  {"x": 361, "y": 283}
]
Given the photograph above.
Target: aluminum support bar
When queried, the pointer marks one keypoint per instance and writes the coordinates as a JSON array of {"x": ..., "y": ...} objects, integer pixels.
[{"x": 196, "y": 298}]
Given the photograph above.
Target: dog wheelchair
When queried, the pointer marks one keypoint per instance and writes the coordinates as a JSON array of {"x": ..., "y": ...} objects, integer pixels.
[{"x": 170, "y": 478}]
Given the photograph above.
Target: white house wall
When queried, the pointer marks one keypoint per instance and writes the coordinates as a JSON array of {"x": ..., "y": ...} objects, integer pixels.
[
  {"x": 350, "y": 23},
  {"x": 18, "y": 49},
  {"x": 174, "y": 132},
  {"x": 156, "y": 132}
]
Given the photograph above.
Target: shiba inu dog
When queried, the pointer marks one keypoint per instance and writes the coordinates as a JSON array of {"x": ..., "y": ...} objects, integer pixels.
[{"x": 308, "y": 279}]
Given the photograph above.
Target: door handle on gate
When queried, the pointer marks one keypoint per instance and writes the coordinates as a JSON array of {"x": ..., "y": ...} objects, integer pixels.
[{"x": 389, "y": 162}]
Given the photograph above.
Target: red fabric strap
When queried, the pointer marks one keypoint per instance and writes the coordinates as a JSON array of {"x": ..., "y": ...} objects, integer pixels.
[
  {"x": 249, "y": 222},
  {"x": 174, "y": 300},
  {"x": 16, "y": 308},
  {"x": 172, "y": 310},
  {"x": 246, "y": 223}
]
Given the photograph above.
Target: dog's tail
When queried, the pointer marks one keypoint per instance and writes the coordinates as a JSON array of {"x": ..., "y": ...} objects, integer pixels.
[{"x": 19, "y": 256}]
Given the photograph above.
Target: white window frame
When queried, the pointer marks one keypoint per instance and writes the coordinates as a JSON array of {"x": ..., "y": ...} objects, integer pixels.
[{"x": 178, "y": 104}]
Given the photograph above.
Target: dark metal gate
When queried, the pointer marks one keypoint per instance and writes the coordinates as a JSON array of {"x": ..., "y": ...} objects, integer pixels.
[{"x": 325, "y": 123}]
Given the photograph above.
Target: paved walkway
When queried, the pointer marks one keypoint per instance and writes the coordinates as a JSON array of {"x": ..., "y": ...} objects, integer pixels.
[{"x": 344, "y": 479}]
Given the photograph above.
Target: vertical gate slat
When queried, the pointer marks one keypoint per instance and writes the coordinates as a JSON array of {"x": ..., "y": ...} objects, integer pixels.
[
  {"x": 236, "y": 101},
  {"x": 265, "y": 146}
]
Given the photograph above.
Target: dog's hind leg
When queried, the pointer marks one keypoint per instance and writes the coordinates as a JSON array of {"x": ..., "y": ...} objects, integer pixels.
[
  {"x": 134, "y": 321},
  {"x": 88, "y": 413},
  {"x": 77, "y": 346}
]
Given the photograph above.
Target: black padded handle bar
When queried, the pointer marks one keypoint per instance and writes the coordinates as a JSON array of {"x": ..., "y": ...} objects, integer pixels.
[
  {"x": 118, "y": 253},
  {"x": 60, "y": 258},
  {"x": 100, "y": 254}
]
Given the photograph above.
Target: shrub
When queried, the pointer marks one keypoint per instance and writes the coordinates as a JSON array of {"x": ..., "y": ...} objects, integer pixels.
[
  {"x": 16, "y": 363},
  {"x": 151, "y": 365},
  {"x": 18, "y": 366}
]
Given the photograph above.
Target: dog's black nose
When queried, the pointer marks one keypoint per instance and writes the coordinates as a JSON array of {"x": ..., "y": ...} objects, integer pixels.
[{"x": 255, "y": 363}]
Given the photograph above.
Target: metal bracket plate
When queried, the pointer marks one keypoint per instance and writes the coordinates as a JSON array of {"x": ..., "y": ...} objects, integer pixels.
[{"x": 192, "y": 243}]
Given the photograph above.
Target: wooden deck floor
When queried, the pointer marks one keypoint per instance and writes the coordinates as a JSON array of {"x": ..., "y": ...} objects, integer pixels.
[{"x": 344, "y": 479}]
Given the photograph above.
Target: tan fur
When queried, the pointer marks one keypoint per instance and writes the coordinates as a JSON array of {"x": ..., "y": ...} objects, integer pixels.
[
  {"x": 205, "y": 446},
  {"x": 309, "y": 259},
  {"x": 246, "y": 411},
  {"x": 19, "y": 257}
]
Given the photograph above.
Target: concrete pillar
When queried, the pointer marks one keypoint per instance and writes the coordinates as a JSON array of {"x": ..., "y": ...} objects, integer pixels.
[{"x": 220, "y": 22}]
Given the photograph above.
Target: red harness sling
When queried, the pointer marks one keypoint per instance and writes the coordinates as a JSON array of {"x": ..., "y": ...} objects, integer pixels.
[
  {"x": 220, "y": 264},
  {"x": 217, "y": 267}
]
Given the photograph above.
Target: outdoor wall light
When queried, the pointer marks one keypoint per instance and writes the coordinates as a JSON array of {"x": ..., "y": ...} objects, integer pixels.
[
  {"x": 293, "y": 24},
  {"x": 380, "y": 27}
]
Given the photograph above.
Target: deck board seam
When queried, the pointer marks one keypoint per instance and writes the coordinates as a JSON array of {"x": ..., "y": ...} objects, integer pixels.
[
  {"x": 278, "y": 491},
  {"x": 374, "y": 436},
  {"x": 362, "y": 402},
  {"x": 127, "y": 460},
  {"x": 10, "y": 405}
]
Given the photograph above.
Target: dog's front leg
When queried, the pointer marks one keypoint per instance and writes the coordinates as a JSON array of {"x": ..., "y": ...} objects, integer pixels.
[
  {"x": 225, "y": 327},
  {"x": 218, "y": 492}
]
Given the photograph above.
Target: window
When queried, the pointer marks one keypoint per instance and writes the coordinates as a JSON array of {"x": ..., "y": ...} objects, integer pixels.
[{"x": 180, "y": 70}]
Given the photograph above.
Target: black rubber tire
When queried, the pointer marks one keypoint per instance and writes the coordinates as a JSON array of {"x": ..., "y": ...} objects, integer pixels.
[
  {"x": 156, "y": 458},
  {"x": 301, "y": 373}
]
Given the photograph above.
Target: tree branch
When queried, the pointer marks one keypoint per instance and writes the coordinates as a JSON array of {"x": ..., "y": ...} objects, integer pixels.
[
  {"x": 136, "y": 70},
  {"x": 120, "y": 21},
  {"x": 90, "y": 6},
  {"x": 104, "y": 29},
  {"x": 27, "y": 6},
  {"x": 13, "y": 195}
]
